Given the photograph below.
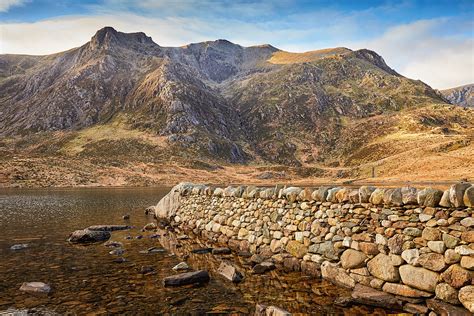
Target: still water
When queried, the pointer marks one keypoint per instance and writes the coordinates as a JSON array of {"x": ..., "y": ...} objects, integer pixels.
[{"x": 86, "y": 280}]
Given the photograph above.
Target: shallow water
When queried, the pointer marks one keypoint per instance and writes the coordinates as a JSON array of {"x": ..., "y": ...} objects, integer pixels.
[{"x": 86, "y": 280}]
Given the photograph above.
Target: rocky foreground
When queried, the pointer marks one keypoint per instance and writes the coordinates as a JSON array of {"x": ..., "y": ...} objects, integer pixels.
[{"x": 403, "y": 248}]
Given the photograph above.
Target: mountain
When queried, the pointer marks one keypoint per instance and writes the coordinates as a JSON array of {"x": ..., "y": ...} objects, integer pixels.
[
  {"x": 122, "y": 109},
  {"x": 463, "y": 95}
]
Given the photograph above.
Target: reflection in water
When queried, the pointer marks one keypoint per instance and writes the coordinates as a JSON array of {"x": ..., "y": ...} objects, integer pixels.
[{"x": 86, "y": 279}]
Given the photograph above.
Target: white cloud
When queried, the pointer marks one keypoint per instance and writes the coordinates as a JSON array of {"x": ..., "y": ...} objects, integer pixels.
[
  {"x": 5, "y": 5},
  {"x": 54, "y": 35},
  {"x": 422, "y": 50}
]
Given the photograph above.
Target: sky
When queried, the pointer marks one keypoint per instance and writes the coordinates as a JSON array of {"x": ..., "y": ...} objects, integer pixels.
[{"x": 432, "y": 41}]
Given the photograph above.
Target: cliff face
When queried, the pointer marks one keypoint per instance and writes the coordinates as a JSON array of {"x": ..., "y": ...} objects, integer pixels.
[
  {"x": 217, "y": 102},
  {"x": 463, "y": 95}
]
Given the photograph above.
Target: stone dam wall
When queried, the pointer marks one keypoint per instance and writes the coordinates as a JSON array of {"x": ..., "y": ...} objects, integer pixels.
[{"x": 413, "y": 245}]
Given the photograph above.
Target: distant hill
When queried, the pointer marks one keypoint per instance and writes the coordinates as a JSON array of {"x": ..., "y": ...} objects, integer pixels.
[
  {"x": 463, "y": 95},
  {"x": 121, "y": 108}
]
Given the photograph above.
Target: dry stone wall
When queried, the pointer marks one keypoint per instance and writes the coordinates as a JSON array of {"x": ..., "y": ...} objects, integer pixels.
[{"x": 412, "y": 243}]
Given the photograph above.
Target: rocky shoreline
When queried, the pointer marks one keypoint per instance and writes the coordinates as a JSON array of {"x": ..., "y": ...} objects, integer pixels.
[{"x": 403, "y": 248}]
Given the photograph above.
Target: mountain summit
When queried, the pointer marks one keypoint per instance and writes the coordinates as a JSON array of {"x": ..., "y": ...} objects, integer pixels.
[{"x": 217, "y": 102}]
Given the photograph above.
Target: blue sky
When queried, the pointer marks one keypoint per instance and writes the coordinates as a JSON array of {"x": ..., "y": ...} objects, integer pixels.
[{"x": 428, "y": 40}]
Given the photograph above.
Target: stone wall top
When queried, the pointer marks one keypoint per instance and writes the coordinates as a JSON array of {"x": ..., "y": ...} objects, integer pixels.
[{"x": 459, "y": 195}]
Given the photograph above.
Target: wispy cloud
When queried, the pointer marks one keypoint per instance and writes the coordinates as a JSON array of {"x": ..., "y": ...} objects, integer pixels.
[
  {"x": 420, "y": 50},
  {"x": 5, "y": 5}
]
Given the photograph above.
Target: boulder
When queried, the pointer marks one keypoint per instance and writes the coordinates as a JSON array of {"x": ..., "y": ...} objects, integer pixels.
[
  {"x": 420, "y": 278},
  {"x": 354, "y": 196},
  {"x": 447, "y": 293},
  {"x": 169, "y": 204},
  {"x": 331, "y": 272},
  {"x": 395, "y": 244},
  {"x": 331, "y": 197},
  {"x": 411, "y": 256},
  {"x": 376, "y": 197},
  {"x": 450, "y": 241},
  {"x": 456, "y": 276},
  {"x": 436, "y": 246},
  {"x": 381, "y": 266},
  {"x": 468, "y": 198},
  {"x": 305, "y": 195},
  {"x": 291, "y": 193},
  {"x": 429, "y": 197},
  {"x": 320, "y": 194},
  {"x": 35, "y": 287},
  {"x": 352, "y": 259},
  {"x": 296, "y": 249},
  {"x": 370, "y": 249},
  {"x": 432, "y": 261},
  {"x": 393, "y": 197},
  {"x": 409, "y": 195},
  {"x": 342, "y": 195},
  {"x": 451, "y": 256},
  {"x": 466, "y": 296},
  {"x": 311, "y": 268},
  {"x": 369, "y": 296},
  {"x": 456, "y": 193},
  {"x": 228, "y": 271},
  {"x": 444, "y": 202},
  {"x": 219, "y": 192},
  {"x": 85, "y": 236},
  {"x": 404, "y": 290},
  {"x": 364, "y": 193},
  {"x": 431, "y": 233},
  {"x": 193, "y": 277},
  {"x": 446, "y": 309},
  {"x": 467, "y": 262}
]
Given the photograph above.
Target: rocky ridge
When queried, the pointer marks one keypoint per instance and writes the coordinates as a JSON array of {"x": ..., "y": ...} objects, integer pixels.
[
  {"x": 463, "y": 95},
  {"x": 217, "y": 102}
]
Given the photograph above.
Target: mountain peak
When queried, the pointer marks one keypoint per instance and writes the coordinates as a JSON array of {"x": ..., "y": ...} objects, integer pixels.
[{"x": 108, "y": 36}]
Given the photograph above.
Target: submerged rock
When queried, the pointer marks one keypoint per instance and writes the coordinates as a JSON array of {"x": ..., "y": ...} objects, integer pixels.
[
  {"x": 369, "y": 296},
  {"x": 263, "y": 267},
  {"x": 443, "y": 308},
  {"x": 19, "y": 246},
  {"x": 153, "y": 250},
  {"x": 263, "y": 310},
  {"x": 181, "y": 266},
  {"x": 117, "y": 252},
  {"x": 85, "y": 236},
  {"x": 147, "y": 270},
  {"x": 221, "y": 251},
  {"x": 108, "y": 228},
  {"x": 229, "y": 272},
  {"x": 35, "y": 287},
  {"x": 150, "y": 226},
  {"x": 201, "y": 251},
  {"x": 113, "y": 244},
  {"x": 200, "y": 276}
]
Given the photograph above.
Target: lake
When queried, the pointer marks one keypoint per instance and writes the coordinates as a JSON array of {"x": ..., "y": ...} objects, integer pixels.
[{"x": 88, "y": 280}]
